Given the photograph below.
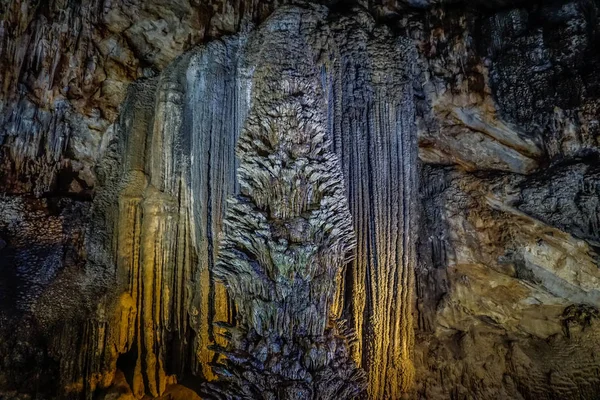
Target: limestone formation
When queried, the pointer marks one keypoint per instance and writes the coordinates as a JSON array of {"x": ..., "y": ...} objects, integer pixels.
[
  {"x": 287, "y": 236},
  {"x": 475, "y": 271}
]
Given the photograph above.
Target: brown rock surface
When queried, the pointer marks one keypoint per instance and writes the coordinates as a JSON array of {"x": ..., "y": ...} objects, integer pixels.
[{"x": 117, "y": 137}]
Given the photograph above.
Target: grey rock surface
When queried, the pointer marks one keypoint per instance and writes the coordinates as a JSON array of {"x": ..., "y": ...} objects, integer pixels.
[{"x": 478, "y": 278}]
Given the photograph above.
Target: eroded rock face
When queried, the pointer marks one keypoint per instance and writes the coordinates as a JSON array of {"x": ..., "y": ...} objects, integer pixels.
[
  {"x": 66, "y": 66},
  {"x": 43, "y": 280},
  {"x": 513, "y": 288},
  {"x": 508, "y": 257},
  {"x": 117, "y": 144},
  {"x": 510, "y": 90}
]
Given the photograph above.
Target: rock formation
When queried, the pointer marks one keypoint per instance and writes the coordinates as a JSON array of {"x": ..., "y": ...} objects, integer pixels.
[
  {"x": 287, "y": 235},
  {"x": 475, "y": 272}
]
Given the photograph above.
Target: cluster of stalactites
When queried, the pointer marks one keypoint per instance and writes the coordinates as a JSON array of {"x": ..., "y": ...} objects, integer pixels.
[
  {"x": 288, "y": 234},
  {"x": 286, "y": 237}
]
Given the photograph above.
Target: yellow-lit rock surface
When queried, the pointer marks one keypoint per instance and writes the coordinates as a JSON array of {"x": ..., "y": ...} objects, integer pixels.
[
  {"x": 170, "y": 166},
  {"x": 118, "y": 123}
]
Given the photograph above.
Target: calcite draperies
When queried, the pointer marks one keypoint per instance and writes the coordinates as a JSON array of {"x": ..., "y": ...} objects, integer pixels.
[
  {"x": 158, "y": 217},
  {"x": 286, "y": 235}
]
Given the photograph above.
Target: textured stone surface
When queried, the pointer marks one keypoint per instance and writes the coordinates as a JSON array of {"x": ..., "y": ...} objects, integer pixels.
[
  {"x": 112, "y": 193},
  {"x": 168, "y": 166},
  {"x": 508, "y": 262},
  {"x": 500, "y": 323},
  {"x": 66, "y": 66}
]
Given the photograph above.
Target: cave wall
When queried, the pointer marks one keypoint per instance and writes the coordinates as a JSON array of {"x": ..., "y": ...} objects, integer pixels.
[
  {"x": 117, "y": 141},
  {"x": 508, "y": 257}
]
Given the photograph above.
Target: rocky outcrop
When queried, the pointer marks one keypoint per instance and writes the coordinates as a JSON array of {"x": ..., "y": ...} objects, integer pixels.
[
  {"x": 500, "y": 324},
  {"x": 117, "y": 150},
  {"x": 508, "y": 258}
]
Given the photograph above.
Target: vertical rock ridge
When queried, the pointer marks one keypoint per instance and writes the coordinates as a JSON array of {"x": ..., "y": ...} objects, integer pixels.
[
  {"x": 287, "y": 234},
  {"x": 370, "y": 89},
  {"x": 216, "y": 106}
]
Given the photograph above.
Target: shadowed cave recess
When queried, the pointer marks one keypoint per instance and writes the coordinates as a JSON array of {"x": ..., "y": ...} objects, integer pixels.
[{"x": 229, "y": 199}]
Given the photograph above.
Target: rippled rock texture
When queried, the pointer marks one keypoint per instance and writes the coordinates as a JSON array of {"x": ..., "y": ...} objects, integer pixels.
[
  {"x": 475, "y": 273},
  {"x": 287, "y": 234}
]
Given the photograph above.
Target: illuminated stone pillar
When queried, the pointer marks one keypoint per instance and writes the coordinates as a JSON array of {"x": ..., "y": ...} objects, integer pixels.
[{"x": 286, "y": 235}]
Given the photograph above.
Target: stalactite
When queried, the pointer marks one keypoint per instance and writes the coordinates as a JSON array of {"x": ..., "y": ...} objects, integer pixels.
[
  {"x": 166, "y": 220},
  {"x": 286, "y": 235},
  {"x": 171, "y": 166},
  {"x": 215, "y": 109},
  {"x": 369, "y": 90}
]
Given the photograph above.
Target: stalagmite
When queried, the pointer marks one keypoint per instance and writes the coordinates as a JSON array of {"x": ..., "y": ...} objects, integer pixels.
[{"x": 286, "y": 236}]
